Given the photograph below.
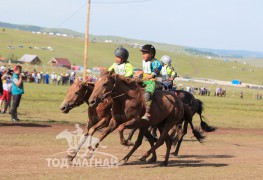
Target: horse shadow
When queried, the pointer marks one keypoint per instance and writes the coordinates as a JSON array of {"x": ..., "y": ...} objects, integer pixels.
[
  {"x": 182, "y": 162},
  {"x": 205, "y": 156},
  {"x": 25, "y": 125},
  {"x": 188, "y": 163}
]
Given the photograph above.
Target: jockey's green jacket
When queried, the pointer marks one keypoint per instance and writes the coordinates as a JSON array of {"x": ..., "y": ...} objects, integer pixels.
[
  {"x": 167, "y": 72},
  {"x": 124, "y": 69},
  {"x": 152, "y": 67}
]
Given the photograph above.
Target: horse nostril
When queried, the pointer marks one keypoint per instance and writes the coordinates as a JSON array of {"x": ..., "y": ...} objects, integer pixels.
[{"x": 92, "y": 103}]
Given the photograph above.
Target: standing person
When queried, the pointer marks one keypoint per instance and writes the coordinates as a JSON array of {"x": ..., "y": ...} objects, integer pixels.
[
  {"x": 17, "y": 91},
  {"x": 47, "y": 78},
  {"x": 53, "y": 78},
  {"x": 122, "y": 65},
  {"x": 2, "y": 70},
  {"x": 7, "y": 85},
  {"x": 241, "y": 95},
  {"x": 167, "y": 73},
  {"x": 151, "y": 68}
]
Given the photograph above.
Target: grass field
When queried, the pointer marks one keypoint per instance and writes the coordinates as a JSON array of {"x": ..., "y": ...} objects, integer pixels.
[
  {"x": 41, "y": 103},
  {"x": 234, "y": 151}
]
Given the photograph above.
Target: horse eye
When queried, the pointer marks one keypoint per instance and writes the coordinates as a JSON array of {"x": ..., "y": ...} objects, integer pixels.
[
  {"x": 105, "y": 84},
  {"x": 76, "y": 93}
]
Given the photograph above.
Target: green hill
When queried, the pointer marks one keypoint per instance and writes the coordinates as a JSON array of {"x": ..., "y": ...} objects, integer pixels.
[{"x": 101, "y": 54}]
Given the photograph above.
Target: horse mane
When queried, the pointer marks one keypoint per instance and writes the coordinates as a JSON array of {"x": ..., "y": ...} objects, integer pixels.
[
  {"x": 126, "y": 80},
  {"x": 130, "y": 81}
]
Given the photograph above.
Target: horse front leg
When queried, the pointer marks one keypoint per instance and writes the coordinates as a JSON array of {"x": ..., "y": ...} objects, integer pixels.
[
  {"x": 131, "y": 134},
  {"x": 101, "y": 124},
  {"x": 136, "y": 145},
  {"x": 151, "y": 140},
  {"x": 121, "y": 128},
  {"x": 111, "y": 127},
  {"x": 89, "y": 131}
]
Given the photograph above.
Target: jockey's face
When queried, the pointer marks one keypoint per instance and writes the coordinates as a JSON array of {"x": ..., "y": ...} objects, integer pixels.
[
  {"x": 146, "y": 56},
  {"x": 117, "y": 60}
]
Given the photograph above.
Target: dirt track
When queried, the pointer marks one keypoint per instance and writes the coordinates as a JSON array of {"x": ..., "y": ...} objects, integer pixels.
[{"x": 226, "y": 153}]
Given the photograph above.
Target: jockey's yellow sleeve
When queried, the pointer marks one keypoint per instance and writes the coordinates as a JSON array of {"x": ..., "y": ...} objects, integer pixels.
[{"x": 125, "y": 69}]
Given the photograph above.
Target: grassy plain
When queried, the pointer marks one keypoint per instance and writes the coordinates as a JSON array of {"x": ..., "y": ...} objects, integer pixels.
[{"x": 41, "y": 103}]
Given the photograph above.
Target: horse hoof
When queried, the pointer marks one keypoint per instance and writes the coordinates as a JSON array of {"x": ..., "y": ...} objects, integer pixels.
[
  {"x": 121, "y": 162},
  {"x": 152, "y": 160},
  {"x": 89, "y": 156},
  {"x": 163, "y": 164},
  {"x": 130, "y": 143},
  {"x": 71, "y": 157},
  {"x": 142, "y": 158},
  {"x": 175, "y": 154}
]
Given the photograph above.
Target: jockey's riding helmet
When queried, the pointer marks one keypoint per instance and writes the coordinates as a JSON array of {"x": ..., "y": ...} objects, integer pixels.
[
  {"x": 122, "y": 53},
  {"x": 149, "y": 49},
  {"x": 166, "y": 60}
]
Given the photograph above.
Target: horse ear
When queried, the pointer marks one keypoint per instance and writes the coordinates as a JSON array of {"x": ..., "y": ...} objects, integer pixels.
[
  {"x": 112, "y": 72},
  {"x": 89, "y": 84},
  {"x": 103, "y": 71}
]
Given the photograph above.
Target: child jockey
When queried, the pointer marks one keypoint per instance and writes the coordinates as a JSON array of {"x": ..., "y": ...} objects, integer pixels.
[
  {"x": 151, "y": 68},
  {"x": 122, "y": 66},
  {"x": 167, "y": 73}
]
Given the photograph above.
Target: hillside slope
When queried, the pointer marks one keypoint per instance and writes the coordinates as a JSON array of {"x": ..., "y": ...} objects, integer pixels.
[{"x": 101, "y": 54}]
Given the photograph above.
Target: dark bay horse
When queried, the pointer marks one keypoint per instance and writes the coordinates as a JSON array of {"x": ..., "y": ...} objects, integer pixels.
[
  {"x": 191, "y": 106},
  {"x": 129, "y": 106},
  {"x": 196, "y": 106}
]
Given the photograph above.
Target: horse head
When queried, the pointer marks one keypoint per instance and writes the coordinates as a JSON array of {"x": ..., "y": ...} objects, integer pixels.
[
  {"x": 103, "y": 88},
  {"x": 78, "y": 93}
]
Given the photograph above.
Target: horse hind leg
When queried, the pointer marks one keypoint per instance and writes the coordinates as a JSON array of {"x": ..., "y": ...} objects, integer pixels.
[
  {"x": 163, "y": 134},
  {"x": 180, "y": 134},
  {"x": 168, "y": 149},
  {"x": 197, "y": 134}
]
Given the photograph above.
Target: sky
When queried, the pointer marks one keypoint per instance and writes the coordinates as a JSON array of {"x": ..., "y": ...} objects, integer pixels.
[{"x": 215, "y": 24}]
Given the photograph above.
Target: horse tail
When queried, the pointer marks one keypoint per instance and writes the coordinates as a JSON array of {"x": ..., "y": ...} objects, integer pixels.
[{"x": 205, "y": 127}]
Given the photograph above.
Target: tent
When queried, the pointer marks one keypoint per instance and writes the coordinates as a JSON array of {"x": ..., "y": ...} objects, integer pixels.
[{"x": 236, "y": 81}]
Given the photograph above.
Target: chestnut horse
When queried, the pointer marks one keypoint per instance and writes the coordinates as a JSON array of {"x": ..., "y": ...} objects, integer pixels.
[
  {"x": 99, "y": 117},
  {"x": 129, "y": 106},
  {"x": 78, "y": 93}
]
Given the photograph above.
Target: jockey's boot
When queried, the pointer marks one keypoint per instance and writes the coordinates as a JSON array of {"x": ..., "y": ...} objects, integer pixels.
[{"x": 147, "y": 114}]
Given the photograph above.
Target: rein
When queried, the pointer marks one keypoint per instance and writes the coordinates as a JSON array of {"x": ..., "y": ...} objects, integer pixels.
[
  {"x": 111, "y": 91},
  {"x": 80, "y": 99}
]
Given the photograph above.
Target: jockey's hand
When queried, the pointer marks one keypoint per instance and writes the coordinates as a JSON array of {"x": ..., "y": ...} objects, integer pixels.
[{"x": 150, "y": 77}]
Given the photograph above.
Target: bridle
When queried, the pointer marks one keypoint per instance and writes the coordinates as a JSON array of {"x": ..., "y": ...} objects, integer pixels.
[
  {"x": 111, "y": 91},
  {"x": 79, "y": 101}
]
